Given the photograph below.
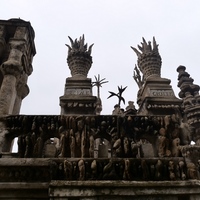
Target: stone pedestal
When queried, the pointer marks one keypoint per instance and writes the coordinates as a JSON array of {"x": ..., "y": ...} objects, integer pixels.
[
  {"x": 78, "y": 97},
  {"x": 157, "y": 97}
]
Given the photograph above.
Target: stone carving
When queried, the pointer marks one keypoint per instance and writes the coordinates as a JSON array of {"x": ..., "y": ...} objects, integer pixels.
[
  {"x": 171, "y": 168},
  {"x": 137, "y": 77},
  {"x": 98, "y": 83},
  {"x": 81, "y": 167},
  {"x": 163, "y": 144},
  {"x": 126, "y": 174},
  {"x": 121, "y": 137},
  {"x": 79, "y": 57},
  {"x": 118, "y": 95},
  {"x": 149, "y": 60}
]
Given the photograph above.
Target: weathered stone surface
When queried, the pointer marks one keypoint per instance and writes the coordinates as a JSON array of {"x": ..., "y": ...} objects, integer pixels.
[
  {"x": 124, "y": 190},
  {"x": 16, "y": 53}
]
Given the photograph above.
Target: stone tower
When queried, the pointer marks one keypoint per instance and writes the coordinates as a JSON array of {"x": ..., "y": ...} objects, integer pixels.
[
  {"x": 78, "y": 97},
  {"x": 17, "y": 49},
  {"x": 155, "y": 95}
]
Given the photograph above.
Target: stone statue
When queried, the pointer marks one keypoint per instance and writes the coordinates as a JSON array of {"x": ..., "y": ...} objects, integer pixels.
[
  {"x": 185, "y": 133},
  {"x": 72, "y": 144},
  {"x": 159, "y": 168},
  {"x": 182, "y": 173},
  {"x": 171, "y": 170},
  {"x": 91, "y": 148},
  {"x": 68, "y": 170},
  {"x": 94, "y": 169},
  {"x": 81, "y": 167},
  {"x": 163, "y": 144},
  {"x": 126, "y": 174},
  {"x": 176, "y": 149}
]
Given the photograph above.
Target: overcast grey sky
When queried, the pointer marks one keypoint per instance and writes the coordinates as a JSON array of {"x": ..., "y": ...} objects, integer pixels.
[{"x": 113, "y": 26}]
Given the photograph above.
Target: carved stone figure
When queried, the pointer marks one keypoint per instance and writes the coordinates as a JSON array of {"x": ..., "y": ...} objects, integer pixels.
[
  {"x": 159, "y": 168},
  {"x": 163, "y": 144},
  {"x": 126, "y": 174},
  {"x": 176, "y": 151},
  {"x": 78, "y": 135},
  {"x": 94, "y": 169},
  {"x": 91, "y": 148},
  {"x": 109, "y": 172},
  {"x": 176, "y": 132},
  {"x": 182, "y": 172},
  {"x": 126, "y": 146},
  {"x": 145, "y": 170},
  {"x": 191, "y": 168},
  {"x": 62, "y": 141},
  {"x": 185, "y": 136},
  {"x": 117, "y": 148},
  {"x": 72, "y": 144},
  {"x": 81, "y": 167},
  {"x": 171, "y": 170},
  {"x": 135, "y": 149},
  {"x": 83, "y": 144},
  {"x": 68, "y": 170}
]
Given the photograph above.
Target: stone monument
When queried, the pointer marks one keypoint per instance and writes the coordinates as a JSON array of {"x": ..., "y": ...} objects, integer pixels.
[
  {"x": 78, "y": 98},
  {"x": 80, "y": 155},
  {"x": 155, "y": 94}
]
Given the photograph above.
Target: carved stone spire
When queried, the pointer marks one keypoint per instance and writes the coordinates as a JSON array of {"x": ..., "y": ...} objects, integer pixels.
[
  {"x": 149, "y": 60},
  {"x": 79, "y": 57},
  {"x": 191, "y": 101}
]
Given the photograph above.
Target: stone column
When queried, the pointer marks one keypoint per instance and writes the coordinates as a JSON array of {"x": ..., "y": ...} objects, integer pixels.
[
  {"x": 22, "y": 92},
  {"x": 11, "y": 69},
  {"x": 2, "y": 39},
  {"x": 7, "y": 95}
]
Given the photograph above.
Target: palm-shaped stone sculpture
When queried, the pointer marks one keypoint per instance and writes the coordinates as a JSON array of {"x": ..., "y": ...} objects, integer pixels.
[
  {"x": 98, "y": 83},
  {"x": 119, "y": 94}
]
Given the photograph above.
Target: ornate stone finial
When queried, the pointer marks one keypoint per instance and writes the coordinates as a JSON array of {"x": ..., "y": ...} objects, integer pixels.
[
  {"x": 79, "y": 57},
  {"x": 191, "y": 101},
  {"x": 149, "y": 60}
]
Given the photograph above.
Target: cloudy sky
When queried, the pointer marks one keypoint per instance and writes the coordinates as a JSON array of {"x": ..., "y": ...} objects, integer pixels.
[{"x": 113, "y": 26}]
